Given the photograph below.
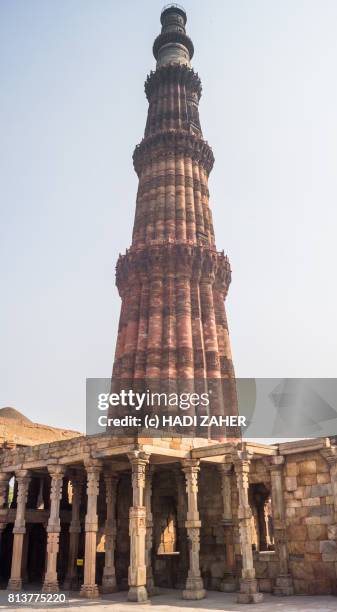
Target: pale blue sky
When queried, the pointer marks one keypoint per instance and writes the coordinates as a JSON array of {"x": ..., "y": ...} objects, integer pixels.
[{"x": 72, "y": 108}]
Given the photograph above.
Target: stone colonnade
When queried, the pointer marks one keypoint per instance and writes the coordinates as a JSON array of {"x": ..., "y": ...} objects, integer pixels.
[{"x": 234, "y": 472}]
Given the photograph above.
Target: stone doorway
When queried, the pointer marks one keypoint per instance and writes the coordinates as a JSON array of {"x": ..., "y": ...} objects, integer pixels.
[
  {"x": 6, "y": 554},
  {"x": 36, "y": 554}
]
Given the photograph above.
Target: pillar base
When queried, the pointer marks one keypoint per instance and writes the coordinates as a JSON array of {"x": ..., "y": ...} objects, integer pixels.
[
  {"x": 50, "y": 587},
  {"x": 109, "y": 584},
  {"x": 194, "y": 589},
  {"x": 228, "y": 584},
  {"x": 70, "y": 583},
  {"x": 249, "y": 593},
  {"x": 283, "y": 585},
  {"x": 89, "y": 591},
  {"x": 194, "y": 594},
  {"x": 138, "y": 594},
  {"x": 14, "y": 584},
  {"x": 151, "y": 588}
]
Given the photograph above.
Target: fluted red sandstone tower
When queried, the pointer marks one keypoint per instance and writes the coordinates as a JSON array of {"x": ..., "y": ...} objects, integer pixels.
[{"x": 172, "y": 280}]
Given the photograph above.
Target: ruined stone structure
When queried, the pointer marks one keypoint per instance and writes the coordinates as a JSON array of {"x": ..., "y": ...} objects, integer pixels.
[
  {"x": 16, "y": 429},
  {"x": 100, "y": 513}
]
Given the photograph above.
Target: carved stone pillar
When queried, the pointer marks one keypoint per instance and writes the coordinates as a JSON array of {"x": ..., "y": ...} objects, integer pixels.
[
  {"x": 19, "y": 530},
  {"x": 284, "y": 582},
  {"x": 228, "y": 583},
  {"x": 89, "y": 587},
  {"x": 24, "y": 564},
  {"x": 137, "y": 530},
  {"x": 194, "y": 588},
  {"x": 248, "y": 583},
  {"x": 74, "y": 530},
  {"x": 151, "y": 589},
  {"x": 4, "y": 480},
  {"x": 183, "y": 560},
  {"x": 109, "y": 576},
  {"x": 40, "y": 498},
  {"x": 262, "y": 525},
  {"x": 50, "y": 584}
]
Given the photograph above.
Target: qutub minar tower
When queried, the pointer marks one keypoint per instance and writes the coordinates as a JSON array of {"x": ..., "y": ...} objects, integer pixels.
[
  {"x": 172, "y": 280},
  {"x": 135, "y": 512}
]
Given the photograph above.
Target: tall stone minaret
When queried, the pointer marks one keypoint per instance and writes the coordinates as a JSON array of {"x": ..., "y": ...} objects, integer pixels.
[{"x": 172, "y": 280}]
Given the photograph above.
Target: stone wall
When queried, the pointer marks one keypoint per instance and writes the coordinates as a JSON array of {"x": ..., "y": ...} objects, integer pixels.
[
  {"x": 267, "y": 568},
  {"x": 309, "y": 519}
]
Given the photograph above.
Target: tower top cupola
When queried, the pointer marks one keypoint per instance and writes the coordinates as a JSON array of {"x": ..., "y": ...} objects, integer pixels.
[{"x": 173, "y": 46}]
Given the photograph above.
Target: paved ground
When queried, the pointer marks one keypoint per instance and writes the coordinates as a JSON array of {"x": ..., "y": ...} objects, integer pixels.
[{"x": 170, "y": 601}]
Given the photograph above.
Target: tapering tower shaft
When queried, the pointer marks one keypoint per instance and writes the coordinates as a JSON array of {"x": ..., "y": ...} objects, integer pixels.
[{"x": 172, "y": 280}]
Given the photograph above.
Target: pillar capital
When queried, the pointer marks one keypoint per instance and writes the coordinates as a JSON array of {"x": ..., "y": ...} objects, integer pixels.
[
  {"x": 191, "y": 468},
  {"x": 93, "y": 465},
  {"x": 242, "y": 461},
  {"x": 56, "y": 470},
  {"x": 22, "y": 475},
  {"x": 275, "y": 463},
  {"x": 191, "y": 464},
  {"x": 138, "y": 456},
  {"x": 139, "y": 461}
]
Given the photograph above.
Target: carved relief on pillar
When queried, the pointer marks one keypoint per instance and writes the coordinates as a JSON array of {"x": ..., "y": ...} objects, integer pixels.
[
  {"x": 139, "y": 461},
  {"x": 109, "y": 584},
  {"x": 23, "y": 479},
  {"x": 89, "y": 587},
  {"x": 248, "y": 583},
  {"x": 228, "y": 583},
  {"x": 284, "y": 582},
  {"x": 137, "y": 529},
  {"x": 225, "y": 470},
  {"x": 77, "y": 481},
  {"x": 4, "y": 487},
  {"x": 194, "y": 588},
  {"x": 50, "y": 584},
  {"x": 191, "y": 468},
  {"x": 149, "y": 530}
]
